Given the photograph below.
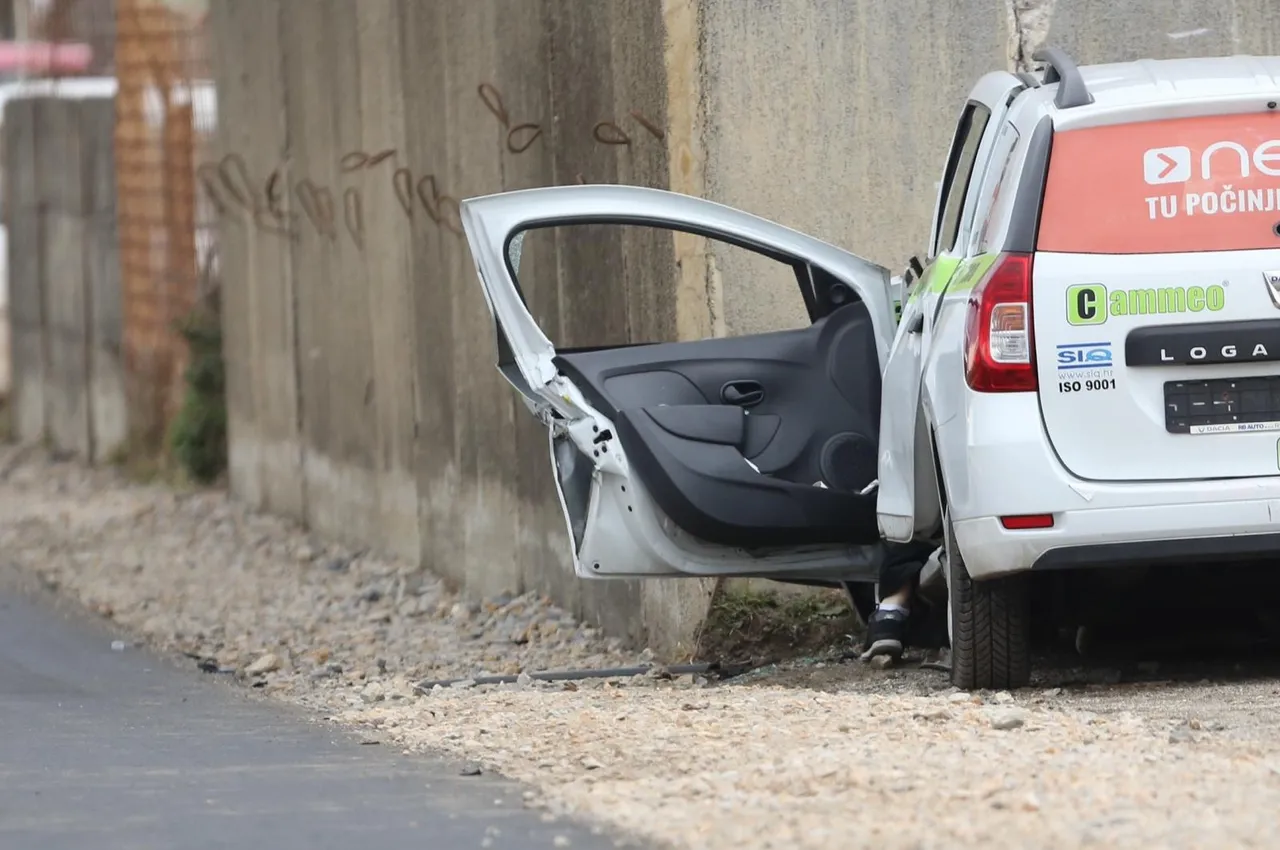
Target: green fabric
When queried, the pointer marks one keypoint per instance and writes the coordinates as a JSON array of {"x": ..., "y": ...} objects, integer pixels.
[
  {"x": 949, "y": 274},
  {"x": 970, "y": 271},
  {"x": 936, "y": 276}
]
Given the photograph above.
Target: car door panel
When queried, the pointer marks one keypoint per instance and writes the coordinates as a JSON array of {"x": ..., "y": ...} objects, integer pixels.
[
  {"x": 908, "y": 505},
  {"x": 747, "y": 455},
  {"x": 816, "y": 421}
]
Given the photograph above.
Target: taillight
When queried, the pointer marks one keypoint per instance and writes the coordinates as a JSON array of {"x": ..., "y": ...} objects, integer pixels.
[
  {"x": 999, "y": 350},
  {"x": 1025, "y": 521}
]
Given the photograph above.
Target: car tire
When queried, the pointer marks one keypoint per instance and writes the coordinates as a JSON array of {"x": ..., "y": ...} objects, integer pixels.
[{"x": 990, "y": 627}]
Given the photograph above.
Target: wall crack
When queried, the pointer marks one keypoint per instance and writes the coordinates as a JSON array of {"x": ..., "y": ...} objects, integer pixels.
[{"x": 1028, "y": 30}]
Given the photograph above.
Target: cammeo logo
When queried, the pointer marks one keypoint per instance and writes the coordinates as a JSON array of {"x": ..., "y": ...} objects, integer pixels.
[
  {"x": 1092, "y": 304},
  {"x": 1210, "y": 183}
]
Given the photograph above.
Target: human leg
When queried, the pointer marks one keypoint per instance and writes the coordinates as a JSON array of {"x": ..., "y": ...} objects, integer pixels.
[{"x": 899, "y": 574}]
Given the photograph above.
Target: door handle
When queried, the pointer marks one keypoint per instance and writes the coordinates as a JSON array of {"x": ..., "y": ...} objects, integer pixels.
[
  {"x": 917, "y": 324},
  {"x": 742, "y": 393}
]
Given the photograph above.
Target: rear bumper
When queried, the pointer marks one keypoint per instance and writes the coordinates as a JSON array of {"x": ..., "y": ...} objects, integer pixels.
[
  {"x": 1155, "y": 553},
  {"x": 1120, "y": 537},
  {"x": 998, "y": 462}
]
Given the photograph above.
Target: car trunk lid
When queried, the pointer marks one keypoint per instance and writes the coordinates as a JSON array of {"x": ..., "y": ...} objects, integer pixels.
[
  {"x": 1156, "y": 298},
  {"x": 1159, "y": 368}
]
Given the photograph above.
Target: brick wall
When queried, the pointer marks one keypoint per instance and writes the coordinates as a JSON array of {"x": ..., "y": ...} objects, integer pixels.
[{"x": 162, "y": 114}]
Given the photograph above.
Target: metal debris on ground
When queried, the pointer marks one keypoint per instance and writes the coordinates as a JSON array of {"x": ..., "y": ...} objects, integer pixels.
[{"x": 714, "y": 668}]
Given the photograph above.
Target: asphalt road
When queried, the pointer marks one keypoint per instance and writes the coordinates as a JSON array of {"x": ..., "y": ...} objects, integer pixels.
[{"x": 102, "y": 750}]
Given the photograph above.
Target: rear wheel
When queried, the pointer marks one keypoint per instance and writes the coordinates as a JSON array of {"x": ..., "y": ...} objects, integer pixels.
[{"x": 990, "y": 626}]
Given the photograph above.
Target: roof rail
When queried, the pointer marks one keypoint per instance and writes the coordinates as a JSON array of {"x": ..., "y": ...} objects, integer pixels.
[
  {"x": 1062, "y": 70},
  {"x": 1029, "y": 80}
]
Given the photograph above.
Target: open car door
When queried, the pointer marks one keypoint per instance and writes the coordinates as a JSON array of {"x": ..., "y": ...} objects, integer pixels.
[{"x": 746, "y": 456}]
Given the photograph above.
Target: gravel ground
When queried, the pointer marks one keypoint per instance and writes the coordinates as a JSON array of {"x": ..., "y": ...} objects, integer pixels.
[{"x": 810, "y": 757}]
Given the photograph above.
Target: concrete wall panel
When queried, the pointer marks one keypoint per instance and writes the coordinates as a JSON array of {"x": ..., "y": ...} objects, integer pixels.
[
  {"x": 436, "y": 419},
  {"x": 66, "y": 343},
  {"x": 64, "y": 262},
  {"x": 1096, "y": 31},
  {"x": 109, "y": 425},
  {"x": 834, "y": 119},
  {"x": 60, "y": 175},
  {"x": 339, "y": 421},
  {"x": 307, "y": 84},
  {"x": 386, "y": 212},
  {"x": 259, "y": 340},
  {"x": 26, "y": 293},
  {"x": 525, "y": 135},
  {"x": 484, "y": 451}
]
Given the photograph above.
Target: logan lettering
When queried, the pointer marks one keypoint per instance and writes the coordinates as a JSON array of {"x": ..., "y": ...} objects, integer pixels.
[{"x": 1224, "y": 353}]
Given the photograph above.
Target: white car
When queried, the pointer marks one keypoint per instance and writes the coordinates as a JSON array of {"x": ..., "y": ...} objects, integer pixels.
[{"x": 1084, "y": 373}]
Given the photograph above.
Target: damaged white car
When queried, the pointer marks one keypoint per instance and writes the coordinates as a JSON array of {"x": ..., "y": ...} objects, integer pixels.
[{"x": 1082, "y": 371}]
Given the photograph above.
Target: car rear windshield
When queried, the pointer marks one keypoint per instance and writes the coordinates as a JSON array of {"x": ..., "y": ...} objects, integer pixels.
[{"x": 1187, "y": 184}]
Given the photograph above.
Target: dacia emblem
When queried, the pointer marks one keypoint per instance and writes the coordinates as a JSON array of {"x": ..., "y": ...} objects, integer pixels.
[{"x": 1272, "y": 280}]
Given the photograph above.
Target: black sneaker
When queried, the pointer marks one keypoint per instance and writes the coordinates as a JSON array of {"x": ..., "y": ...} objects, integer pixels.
[{"x": 886, "y": 633}]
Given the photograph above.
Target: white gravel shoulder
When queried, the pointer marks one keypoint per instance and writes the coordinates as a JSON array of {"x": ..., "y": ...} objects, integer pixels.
[{"x": 866, "y": 761}]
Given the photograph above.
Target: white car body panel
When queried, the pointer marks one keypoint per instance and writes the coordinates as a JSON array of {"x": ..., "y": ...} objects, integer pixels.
[
  {"x": 1119, "y": 434},
  {"x": 1011, "y": 470},
  {"x": 908, "y": 503},
  {"x": 1128, "y": 92},
  {"x": 895, "y": 505},
  {"x": 995, "y": 451}
]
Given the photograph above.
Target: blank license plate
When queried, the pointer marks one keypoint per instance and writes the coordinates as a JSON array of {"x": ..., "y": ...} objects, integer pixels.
[{"x": 1222, "y": 405}]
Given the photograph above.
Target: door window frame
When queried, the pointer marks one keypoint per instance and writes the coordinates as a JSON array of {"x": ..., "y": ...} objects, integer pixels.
[
  {"x": 822, "y": 291},
  {"x": 953, "y": 194},
  {"x": 991, "y": 199}
]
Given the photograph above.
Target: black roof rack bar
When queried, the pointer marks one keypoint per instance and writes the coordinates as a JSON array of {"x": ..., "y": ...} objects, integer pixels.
[{"x": 1063, "y": 70}]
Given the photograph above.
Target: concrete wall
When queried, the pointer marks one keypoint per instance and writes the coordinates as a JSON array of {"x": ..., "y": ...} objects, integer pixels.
[
  {"x": 362, "y": 393},
  {"x": 64, "y": 275},
  {"x": 834, "y": 119},
  {"x": 1101, "y": 31}
]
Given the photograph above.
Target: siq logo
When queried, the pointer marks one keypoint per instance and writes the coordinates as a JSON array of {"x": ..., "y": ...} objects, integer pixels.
[
  {"x": 1174, "y": 164},
  {"x": 1084, "y": 355}
]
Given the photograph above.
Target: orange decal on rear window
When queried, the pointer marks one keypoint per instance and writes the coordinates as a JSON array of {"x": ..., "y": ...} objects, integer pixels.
[{"x": 1187, "y": 184}]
